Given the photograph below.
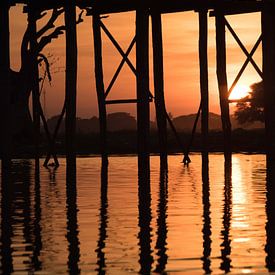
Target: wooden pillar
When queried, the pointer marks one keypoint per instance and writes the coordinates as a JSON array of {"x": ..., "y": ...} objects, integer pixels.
[
  {"x": 222, "y": 81},
  {"x": 142, "y": 68},
  {"x": 158, "y": 82},
  {"x": 100, "y": 86},
  {"x": 203, "y": 29},
  {"x": 5, "y": 93},
  {"x": 35, "y": 81},
  {"x": 71, "y": 80},
  {"x": 268, "y": 21}
]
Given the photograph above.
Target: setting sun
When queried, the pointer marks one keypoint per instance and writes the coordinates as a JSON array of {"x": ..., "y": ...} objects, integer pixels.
[{"x": 240, "y": 91}]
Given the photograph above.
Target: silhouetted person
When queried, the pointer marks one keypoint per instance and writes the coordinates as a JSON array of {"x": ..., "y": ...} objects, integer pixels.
[
  {"x": 206, "y": 230},
  {"x": 161, "y": 219},
  {"x": 72, "y": 226},
  {"x": 270, "y": 213},
  {"x": 103, "y": 220},
  {"x": 145, "y": 217},
  {"x": 225, "y": 232}
]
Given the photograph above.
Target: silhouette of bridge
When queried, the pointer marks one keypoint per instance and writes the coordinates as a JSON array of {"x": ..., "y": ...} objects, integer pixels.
[{"x": 145, "y": 11}]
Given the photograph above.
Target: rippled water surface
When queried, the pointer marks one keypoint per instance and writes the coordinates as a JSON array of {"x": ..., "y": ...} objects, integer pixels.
[{"x": 106, "y": 223}]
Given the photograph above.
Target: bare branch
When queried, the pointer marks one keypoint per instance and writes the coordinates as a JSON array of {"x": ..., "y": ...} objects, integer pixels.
[
  {"x": 50, "y": 23},
  {"x": 58, "y": 31},
  {"x": 47, "y": 65},
  {"x": 48, "y": 38}
]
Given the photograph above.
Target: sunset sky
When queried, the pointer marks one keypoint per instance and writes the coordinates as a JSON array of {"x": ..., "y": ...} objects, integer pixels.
[{"x": 181, "y": 64}]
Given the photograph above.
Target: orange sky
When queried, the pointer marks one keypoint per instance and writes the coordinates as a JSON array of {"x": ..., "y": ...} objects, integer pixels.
[{"x": 181, "y": 71}]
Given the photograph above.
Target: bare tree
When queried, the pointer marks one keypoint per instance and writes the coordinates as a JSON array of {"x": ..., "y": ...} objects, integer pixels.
[{"x": 22, "y": 80}]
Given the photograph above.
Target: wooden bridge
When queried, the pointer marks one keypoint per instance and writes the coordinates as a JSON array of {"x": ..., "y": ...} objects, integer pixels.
[{"x": 145, "y": 10}]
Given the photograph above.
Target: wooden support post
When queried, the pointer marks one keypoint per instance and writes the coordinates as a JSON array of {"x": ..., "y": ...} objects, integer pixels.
[
  {"x": 158, "y": 82},
  {"x": 71, "y": 81},
  {"x": 100, "y": 86},
  {"x": 268, "y": 21},
  {"x": 203, "y": 79},
  {"x": 142, "y": 69},
  {"x": 222, "y": 81},
  {"x": 35, "y": 81},
  {"x": 5, "y": 93}
]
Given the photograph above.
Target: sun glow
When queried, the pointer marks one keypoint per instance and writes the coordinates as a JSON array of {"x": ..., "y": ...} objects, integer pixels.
[{"x": 240, "y": 91}]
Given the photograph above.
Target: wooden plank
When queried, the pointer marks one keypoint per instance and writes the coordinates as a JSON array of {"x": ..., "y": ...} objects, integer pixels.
[
  {"x": 159, "y": 82},
  {"x": 70, "y": 82}
]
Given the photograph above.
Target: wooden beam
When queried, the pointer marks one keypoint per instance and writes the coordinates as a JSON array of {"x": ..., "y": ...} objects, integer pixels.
[
  {"x": 268, "y": 22},
  {"x": 121, "y": 101},
  {"x": 222, "y": 81},
  {"x": 100, "y": 86},
  {"x": 159, "y": 82},
  {"x": 5, "y": 87},
  {"x": 142, "y": 84},
  {"x": 71, "y": 81},
  {"x": 203, "y": 56}
]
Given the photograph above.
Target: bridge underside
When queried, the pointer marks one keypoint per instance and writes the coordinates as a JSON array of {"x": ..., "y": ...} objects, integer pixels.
[{"x": 217, "y": 8}]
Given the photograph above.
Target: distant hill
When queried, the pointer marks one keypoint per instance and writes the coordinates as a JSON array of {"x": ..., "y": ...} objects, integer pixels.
[
  {"x": 185, "y": 123},
  {"x": 123, "y": 121}
]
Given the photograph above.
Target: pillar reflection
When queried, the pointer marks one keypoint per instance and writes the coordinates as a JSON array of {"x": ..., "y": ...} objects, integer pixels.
[
  {"x": 206, "y": 230},
  {"x": 6, "y": 222},
  {"x": 226, "y": 221},
  {"x": 72, "y": 225},
  {"x": 103, "y": 222},
  {"x": 270, "y": 214},
  {"x": 161, "y": 219},
  {"x": 145, "y": 216}
]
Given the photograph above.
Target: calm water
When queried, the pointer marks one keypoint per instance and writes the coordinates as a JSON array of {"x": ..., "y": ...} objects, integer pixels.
[{"x": 108, "y": 224}]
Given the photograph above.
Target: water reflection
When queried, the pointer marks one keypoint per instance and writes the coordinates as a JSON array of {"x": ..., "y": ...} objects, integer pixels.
[
  {"x": 206, "y": 216},
  {"x": 6, "y": 216},
  {"x": 270, "y": 213},
  {"x": 144, "y": 217},
  {"x": 103, "y": 220},
  {"x": 161, "y": 219},
  {"x": 72, "y": 226},
  {"x": 226, "y": 220},
  {"x": 37, "y": 263}
]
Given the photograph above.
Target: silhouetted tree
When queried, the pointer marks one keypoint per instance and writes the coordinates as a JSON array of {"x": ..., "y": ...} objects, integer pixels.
[
  {"x": 251, "y": 108},
  {"x": 22, "y": 80}
]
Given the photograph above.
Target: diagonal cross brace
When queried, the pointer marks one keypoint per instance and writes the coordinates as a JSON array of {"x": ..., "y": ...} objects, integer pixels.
[
  {"x": 245, "y": 65},
  {"x": 125, "y": 57},
  {"x": 248, "y": 55}
]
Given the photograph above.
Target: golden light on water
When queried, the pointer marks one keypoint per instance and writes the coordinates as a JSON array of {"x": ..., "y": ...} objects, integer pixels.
[{"x": 240, "y": 91}]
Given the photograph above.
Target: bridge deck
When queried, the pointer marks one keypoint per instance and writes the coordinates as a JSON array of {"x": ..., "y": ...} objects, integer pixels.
[{"x": 163, "y": 6}]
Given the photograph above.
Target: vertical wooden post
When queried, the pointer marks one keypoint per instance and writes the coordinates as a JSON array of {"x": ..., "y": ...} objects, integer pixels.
[
  {"x": 71, "y": 80},
  {"x": 5, "y": 93},
  {"x": 142, "y": 68},
  {"x": 222, "y": 81},
  {"x": 268, "y": 21},
  {"x": 35, "y": 81},
  {"x": 100, "y": 86},
  {"x": 158, "y": 82},
  {"x": 203, "y": 29}
]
